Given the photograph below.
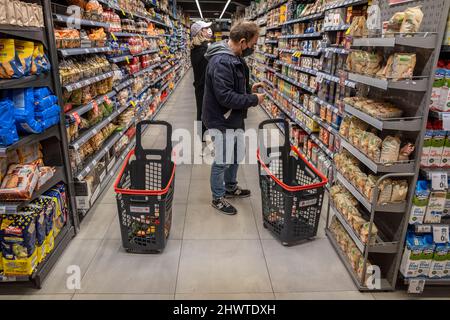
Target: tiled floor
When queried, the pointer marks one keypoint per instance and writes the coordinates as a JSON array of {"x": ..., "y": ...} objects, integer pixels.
[{"x": 208, "y": 256}]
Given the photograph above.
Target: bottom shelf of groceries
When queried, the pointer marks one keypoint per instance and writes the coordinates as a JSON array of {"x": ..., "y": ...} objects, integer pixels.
[{"x": 33, "y": 239}]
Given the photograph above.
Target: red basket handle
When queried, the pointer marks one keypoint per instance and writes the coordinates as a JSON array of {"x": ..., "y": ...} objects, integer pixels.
[
  {"x": 140, "y": 192},
  {"x": 296, "y": 188}
]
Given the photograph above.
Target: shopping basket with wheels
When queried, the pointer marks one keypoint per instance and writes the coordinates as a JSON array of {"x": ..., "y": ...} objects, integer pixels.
[
  {"x": 291, "y": 190},
  {"x": 144, "y": 192}
]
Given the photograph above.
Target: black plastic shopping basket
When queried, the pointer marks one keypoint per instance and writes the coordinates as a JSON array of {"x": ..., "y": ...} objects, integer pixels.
[
  {"x": 144, "y": 192},
  {"x": 291, "y": 190}
]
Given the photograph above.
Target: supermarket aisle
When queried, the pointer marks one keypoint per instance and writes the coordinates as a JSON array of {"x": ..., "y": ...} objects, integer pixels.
[{"x": 209, "y": 255}]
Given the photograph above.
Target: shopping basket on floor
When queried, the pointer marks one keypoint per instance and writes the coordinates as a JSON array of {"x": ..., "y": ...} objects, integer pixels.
[
  {"x": 291, "y": 190},
  {"x": 144, "y": 192}
]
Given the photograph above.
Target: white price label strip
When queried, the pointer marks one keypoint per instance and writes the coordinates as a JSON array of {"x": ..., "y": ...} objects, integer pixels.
[
  {"x": 439, "y": 181},
  {"x": 446, "y": 121},
  {"x": 416, "y": 286},
  {"x": 440, "y": 233}
]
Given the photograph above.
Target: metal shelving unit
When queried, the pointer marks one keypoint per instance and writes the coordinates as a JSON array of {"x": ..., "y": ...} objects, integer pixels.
[{"x": 410, "y": 94}]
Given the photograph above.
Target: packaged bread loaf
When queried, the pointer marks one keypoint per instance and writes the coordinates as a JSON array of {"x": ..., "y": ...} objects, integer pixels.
[
  {"x": 395, "y": 23},
  {"x": 390, "y": 149},
  {"x": 385, "y": 192},
  {"x": 373, "y": 147},
  {"x": 399, "y": 190},
  {"x": 412, "y": 20},
  {"x": 19, "y": 182},
  {"x": 364, "y": 233},
  {"x": 3, "y": 9},
  {"x": 373, "y": 65},
  {"x": 403, "y": 66}
]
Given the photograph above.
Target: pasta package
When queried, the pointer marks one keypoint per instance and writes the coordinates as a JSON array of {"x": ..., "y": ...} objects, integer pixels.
[
  {"x": 10, "y": 66},
  {"x": 20, "y": 182}
]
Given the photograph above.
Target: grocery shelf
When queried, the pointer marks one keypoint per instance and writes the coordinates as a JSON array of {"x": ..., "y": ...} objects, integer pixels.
[
  {"x": 419, "y": 84},
  {"x": 270, "y": 69},
  {"x": 99, "y": 154},
  {"x": 79, "y": 22},
  {"x": 301, "y": 36},
  {"x": 398, "y": 167},
  {"x": 30, "y": 138},
  {"x": 336, "y": 79},
  {"x": 424, "y": 40},
  {"x": 81, "y": 51},
  {"x": 337, "y": 28},
  {"x": 271, "y": 56},
  {"x": 146, "y": 70},
  {"x": 310, "y": 17},
  {"x": 120, "y": 58},
  {"x": 96, "y": 128},
  {"x": 29, "y": 33},
  {"x": 130, "y": 34},
  {"x": 387, "y": 207},
  {"x": 271, "y": 41},
  {"x": 12, "y": 207},
  {"x": 322, "y": 146},
  {"x": 429, "y": 281},
  {"x": 83, "y": 83},
  {"x": 266, "y": 81},
  {"x": 361, "y": 246},
  {"x": 85, "y": 108},
  {"x": 343, "y": 3},
  {"x": 298, "y": 68},
  {"x": 42, "y": 80},
  {"x": 404, "y": 124},
  {"x": 325, "y": 104},
  {"x": 303, "y": 52},
  {"x": 385, "y": 286},
  {"x": 429, "y": 171},
  {"x": 337, "y": 50},
  {"x": 273, "y": 27},
  {"x": 438, "y": 114},
  {"x": 123, "y": 85},
  {"x": 279, "y": 4},
  {"x": 296, "y": 83}
]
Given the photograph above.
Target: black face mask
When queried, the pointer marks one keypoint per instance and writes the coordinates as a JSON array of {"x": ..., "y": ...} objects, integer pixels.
[{"x": 247, "y": 52}]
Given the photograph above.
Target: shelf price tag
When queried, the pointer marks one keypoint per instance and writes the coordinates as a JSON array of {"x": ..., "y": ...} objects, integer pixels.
[
  {"x": 441, "y": 233},
  {"x": 439, "y": 181},
  {"x": 446, "y": 121},
  {"x": 416, "y": 286}
]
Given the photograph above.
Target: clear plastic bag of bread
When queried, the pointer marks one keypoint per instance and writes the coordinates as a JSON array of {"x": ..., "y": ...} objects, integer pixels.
[
  {"x": 369, "y": 186},
  {"x": 399, "y": 190},
  {"x": 390, "y": 149},
  {"x": 412, "y": 20},
  {"x": 364, "y": 233},
  {"x": 403, "y": 65},
  {"x": 373, "y": 65},
  {"x": 395, "y": 23},
  {"x": 373, "y": 147},
  {"x": 19, "y": 182},
  {"x": 358, "y": 28},
  {"x": 385, "y": 191}
]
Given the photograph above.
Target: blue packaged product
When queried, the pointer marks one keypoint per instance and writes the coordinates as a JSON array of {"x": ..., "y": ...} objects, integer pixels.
[
  {"x": 29, "y": 126},
  {"x": 23, "y": 100},
  {"x": 41, "y": 92},
  {"x": 6, "y": 113},
  {"x": 44, "y": 103},
  {"x": 47, "y": 123},
  {"x": 8, "y": 136},
  {"x": 18, "y": 236},
  {"x": 48, "y": 113}
]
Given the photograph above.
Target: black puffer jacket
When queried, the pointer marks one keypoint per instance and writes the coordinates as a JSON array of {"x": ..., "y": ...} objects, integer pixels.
[
  {"x": 199, "y": 64},
  {"x": 226, "y": 97}
]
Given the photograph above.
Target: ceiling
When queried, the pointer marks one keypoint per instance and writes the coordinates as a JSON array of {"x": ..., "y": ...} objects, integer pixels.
[{"x": 211, "y": 9}]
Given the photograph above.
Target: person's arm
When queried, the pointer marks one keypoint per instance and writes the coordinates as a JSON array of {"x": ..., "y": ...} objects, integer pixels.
[{"x": 224, "y": 89}]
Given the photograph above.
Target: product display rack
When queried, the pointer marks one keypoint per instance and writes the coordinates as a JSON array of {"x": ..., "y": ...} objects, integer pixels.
[
  {"x": 54, "y": 148},
  {"x": 390, "y": 218},
  {"x": 141, "y": 100}
]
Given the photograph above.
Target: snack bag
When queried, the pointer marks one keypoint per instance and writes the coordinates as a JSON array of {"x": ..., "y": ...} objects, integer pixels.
[
  {"x": 29, "y": 153},
  {"x": 24, "y": 50},
  {"x": 49, "y": 122},
  {"x": 395, "y": 23},
  {"x": 24, "y": 110},
  {"x": 45, "y": 103},
  {"x": 48, "y": 113},
  {"x": 8, "y": 131},
  {"x": 41, "y": 60},
  {"x": 10, "y": 65},
  {"x": 38, "y": 212},
  {"x": 403, "y": 66},
  {"x": 18, "y": 233},
  {"x": 19, "y": 182}
]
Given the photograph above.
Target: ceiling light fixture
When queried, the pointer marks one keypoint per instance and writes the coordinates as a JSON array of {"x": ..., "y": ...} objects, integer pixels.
[
  {"x": 199, "y": 10},
  {"x": 224, "y": 9}
]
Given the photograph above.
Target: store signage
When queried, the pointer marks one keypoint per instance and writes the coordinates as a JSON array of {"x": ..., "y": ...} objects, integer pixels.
[
  {"x": 439, "y": 181},
  {"x": 416, "y": 285}
]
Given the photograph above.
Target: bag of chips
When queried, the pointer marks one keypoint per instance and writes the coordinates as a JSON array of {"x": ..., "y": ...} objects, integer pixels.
[
  {"x": 24, "y": 50},
  {"x": 10, "y": 65}
]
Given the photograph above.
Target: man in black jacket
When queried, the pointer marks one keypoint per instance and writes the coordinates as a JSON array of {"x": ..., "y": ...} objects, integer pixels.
[{"x": 225, "y": 103}]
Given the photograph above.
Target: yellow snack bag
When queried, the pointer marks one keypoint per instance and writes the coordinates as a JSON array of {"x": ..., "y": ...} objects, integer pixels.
[
  {"x": 25, "y": 51},
  {"x": 10, "y": 66}
]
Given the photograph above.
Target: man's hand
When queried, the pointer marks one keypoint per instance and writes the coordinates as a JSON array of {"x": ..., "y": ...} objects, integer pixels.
[
  {"x": 261, "y": 97},
  {"x": 256, "y": 86}
]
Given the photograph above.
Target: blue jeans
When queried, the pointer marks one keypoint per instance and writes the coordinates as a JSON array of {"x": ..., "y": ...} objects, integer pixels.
[{"x": 228, "y": 152}]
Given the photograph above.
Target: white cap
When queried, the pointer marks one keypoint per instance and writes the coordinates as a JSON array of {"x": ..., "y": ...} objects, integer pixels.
[{"x": 199, "y": 25}]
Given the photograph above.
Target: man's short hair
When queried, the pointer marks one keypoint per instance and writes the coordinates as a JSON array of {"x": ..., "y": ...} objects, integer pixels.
[{"x": 244, "y": 30}]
